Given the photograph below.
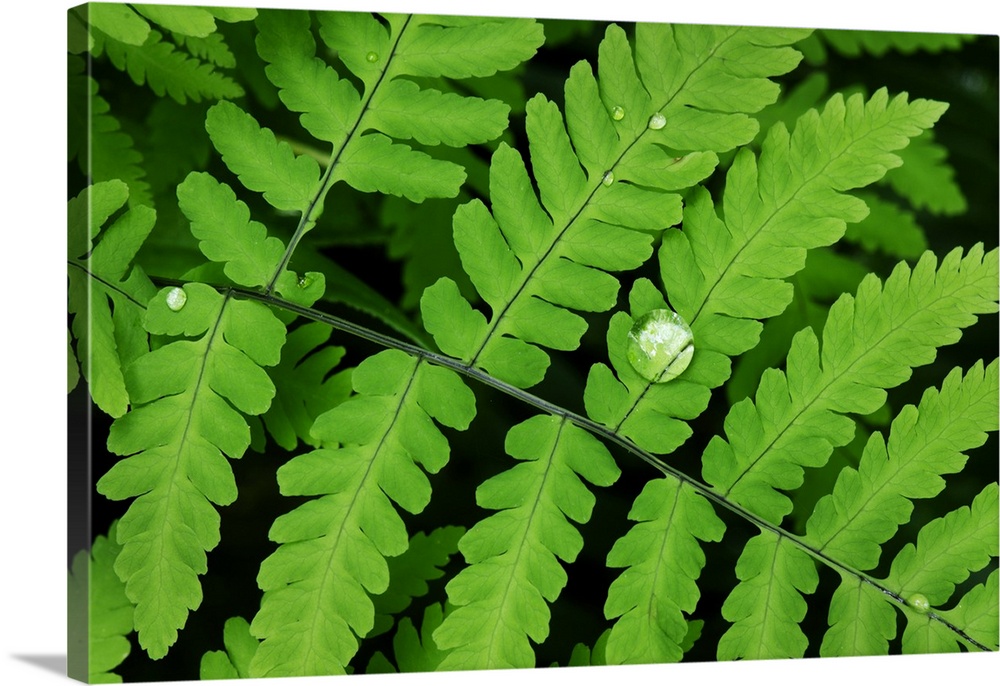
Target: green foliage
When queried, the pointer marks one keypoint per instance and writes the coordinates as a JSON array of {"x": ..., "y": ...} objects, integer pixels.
[
  {"x": 100, "y": 614},
  {"x": 515, "y": 227}
]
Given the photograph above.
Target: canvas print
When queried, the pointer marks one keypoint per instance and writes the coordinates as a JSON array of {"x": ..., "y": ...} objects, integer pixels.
[{"x": 413, "y": 343}]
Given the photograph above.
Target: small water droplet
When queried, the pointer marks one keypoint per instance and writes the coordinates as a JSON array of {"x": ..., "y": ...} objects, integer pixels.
[
  {"x": 372, "y": 57},
  {"x": 660, "y": 345},
  {"x": 305, "y": 282},
  {"x": 617, "y": 113},
  {"x": 608, "y": 178},
  {"x": 176, "y": 298},
  {"x": 919, "y": 602},
  {"x": 657, "y": 121}
]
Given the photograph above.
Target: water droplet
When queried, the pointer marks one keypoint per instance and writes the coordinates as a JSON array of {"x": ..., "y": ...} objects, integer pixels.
[
  {"x": 617, "y": 113},
  {"x": 372, "y": 57},
  {"x": 608, "y": 178},
  {"x": 657, "y": 121},
  {"x": 176, "y": 298},
  {"x": 919, "y": 602},
  {"x": 659, "y": 345},
  {"x": 305, "y": 282}
]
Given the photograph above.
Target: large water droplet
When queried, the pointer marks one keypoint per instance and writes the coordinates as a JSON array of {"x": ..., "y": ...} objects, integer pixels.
[
  {"x": 660, "y": 345},
  {"x": 617, "y": 113},
  {"x": 176, "y": 298},
  {"x": 657, "y": 121},
  {"x": 608, "y": 178},
  {"x": 919, "y": 602}
]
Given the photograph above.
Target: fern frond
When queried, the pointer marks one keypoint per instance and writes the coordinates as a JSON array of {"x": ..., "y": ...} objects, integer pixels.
[
  {"x": 332, "y": 549},
  {"x": 187, "y": 21},
  {"x": 118, "y": 21},
  {"x": 663, "y": 562},
  {"x": 869, "y": 503},
  {"x": 96, "y": 139},
  {"x": 107, "y": 296},
  {"x": 926, "y": 180},
  {"x": 722, "y": 274},
  {"x": 947, "y": 550},
  {"x": 854, "y": 43},
  {"x": 227, "y": 234},
  {"x": 100, "y": 614},
  {"x": 767, "y": 606},
  {"x": 870, "y": 342},
  {"x": 500, "y": 598},
  {"x": 888, "y": 228},
  {"x": 605, "y": 178},
  {"x": 211, "y": 48},
  {"x": 305, "y": 384},
  {"x": 166, "y": 70},
  {"x": 361, "y": 125},
  {"x": 187, "y": 398},
  {"x": 414, "y": 652},
  {"x": 410, "y": 572},
  {"x": 234, "y": 661}
]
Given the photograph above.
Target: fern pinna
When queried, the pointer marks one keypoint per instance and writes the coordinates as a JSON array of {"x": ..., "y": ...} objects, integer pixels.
[{"x": 669, "y": 185}]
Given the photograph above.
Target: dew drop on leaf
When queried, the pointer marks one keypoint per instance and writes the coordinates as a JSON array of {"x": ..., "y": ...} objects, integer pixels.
[
  {"x": 657, "y": 121},
  {"x": 305, "y": 282},
  {"x": 659, "y": 345},
  {"x": 608, "y": 178},
  {"x": 919, "y": 602},
  {"x": 176, "y": 298},
  {"x": 617, "y": 113},
  {"x": 372, "y": 57}
]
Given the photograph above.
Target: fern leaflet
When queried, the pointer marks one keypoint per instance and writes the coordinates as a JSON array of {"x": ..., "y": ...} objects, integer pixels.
[
  {"x": 332, "y": 549},
  {"x": 106, "y": 294},
  {"x": 604, "y": 180},
  {"x": 869, "y": 343},
  {"x": 500, "y": 598}
]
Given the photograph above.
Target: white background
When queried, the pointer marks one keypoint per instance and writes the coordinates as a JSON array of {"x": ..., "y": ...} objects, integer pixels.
[{"x": 33, "y": 453}]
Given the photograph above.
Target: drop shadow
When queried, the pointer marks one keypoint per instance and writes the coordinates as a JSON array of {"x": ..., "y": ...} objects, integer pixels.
[{"x": 51, "y": 663}]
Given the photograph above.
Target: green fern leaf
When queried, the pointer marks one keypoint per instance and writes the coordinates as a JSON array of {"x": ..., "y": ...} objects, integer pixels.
[
  {"x": 333, "y": 110},
  {"x": 869, "y": 343},
  {"x": 978, "y": 615},
  {"x": 877, "y": 43},
  {"x": 947, "y": 550},
  {"x": 96, "y": 139},
  {"x": 414, "y": 652},
  {"x": 410, "y": 572},
  {"x": 305, "y": 384},
  {"x": 211, "y": 48},
  {"x": 926, "y": 180},
  {"x": 888, "y": 228},
  {"x": 262, "y": 163},
  {"x": 767, "y": 606},
  {"x": 722, "y": 274},
  {"x": 868, "y": 504},
  {"x": 187, "y": 398},
  {"x": 106, "y": 294},
  {"x": 861, "y": 622},
  {"x": 604, "y": 179},
  {"x": 100, "y": 615},
  {"x": 188, "y": 21},
  {"x": 169, "y": 71},
  {"x": 119, "y": 22},
  {"x": 513, "y": 554},
  {"x": 867, "y": 346},
  {"x": 234, "y": 661},
  {"x": 332, "y": 549},
  {"x": 652, "y": 595}
]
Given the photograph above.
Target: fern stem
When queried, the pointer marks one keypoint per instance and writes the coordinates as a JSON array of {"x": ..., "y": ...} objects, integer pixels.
[
  {"x": 307, "y": 221},
  {"x": 107, "y": 284},
  {"x": 585, "y": 424}
]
